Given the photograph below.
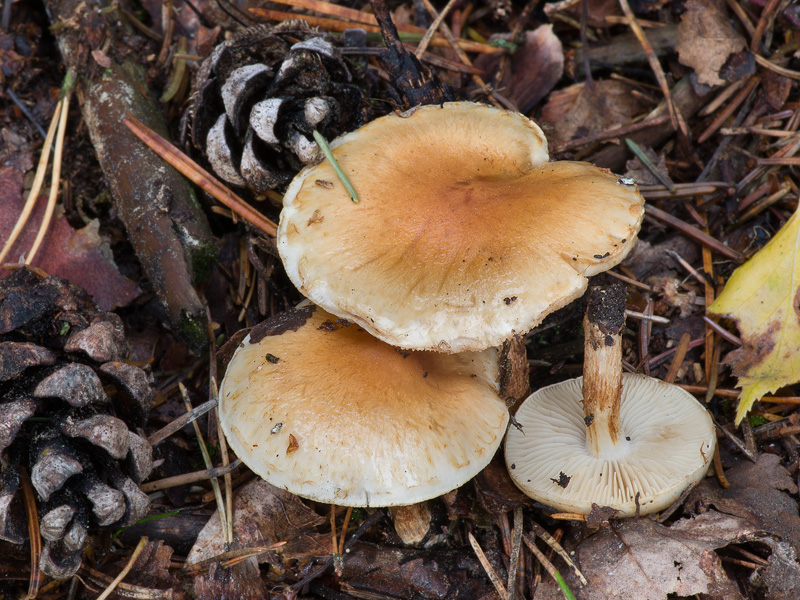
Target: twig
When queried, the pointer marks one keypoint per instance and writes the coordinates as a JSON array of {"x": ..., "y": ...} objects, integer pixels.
[
  {"x": 206, "y": 459},
  {"x": 678, "y": 123},
  {"x": 691, "y": 270},
  {"x": 609, "y": 134},
  {"x": 334, "y": 539},
  {"x": 648, "y": 164},
  {"x": 199, "y": 176},
  {"x": 736, "y": 442},
  {"x": 55, "y": 176},
  {"x": 548, "y": 566},
  {"x": 368, "y": 522},
  {"x": 641, "y": 316},
  {"x": 176, "y": 480},
  {"x": 783, "y": 190},
  {"x": 742, "y": 15},
  {"x": 763, "y": 20},
  {"x": 326, "y": 150},
  {"x": 677, "y": 361},
  {"x": 723, "y": 332},
  {"x": 565, "y": 516},
  {"x": 423, "y": 43},
  {"x": 719, "y": 471},
  {"x": 694, "y": 233},
  {"x": 516, "y": 546},
  {"x": 126, "y": 569},
  {"x": 493, "y": 577},
  {"x": 729, "y": 109},
  {"x": 767, "y": 64},
  {"x": 229, "y": 558},
  {"x": 180, "y": 422},
  {"x": 660, "y": 358},
  {"x": 34, "y": 534},
  {"x": 26, "y": 112},
  {"x": 405, "y": 35},
  {"x": 630, "y": 281},
  {"x": 462, "y": 56},
  {"x": 542, "y": 533}
]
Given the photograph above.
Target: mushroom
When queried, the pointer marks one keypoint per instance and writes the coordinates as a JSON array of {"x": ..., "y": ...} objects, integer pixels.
[
  {"x": 464, "y": 235},
  {"x": 626, "y": 441},
  {"x": 318, "y": 407}
]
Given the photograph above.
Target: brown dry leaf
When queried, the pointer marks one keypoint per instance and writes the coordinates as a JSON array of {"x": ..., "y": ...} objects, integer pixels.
[
  {"x": 581, "y": 110},
  {"x": 534, "y": 69},
  {"x": 639, "y": 559},
  {"x": 758, "y": 494},
  {"x": 373, "y": 571},
  {"x": 264, "y": 515},
  {"x": 151, "y": 570},
  {"x": 706, "y": 39},
  {"x": 80, "y": 256}
]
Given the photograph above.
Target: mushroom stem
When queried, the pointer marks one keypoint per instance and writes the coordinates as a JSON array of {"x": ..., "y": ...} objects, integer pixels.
[{"x": 602, "y": 370}]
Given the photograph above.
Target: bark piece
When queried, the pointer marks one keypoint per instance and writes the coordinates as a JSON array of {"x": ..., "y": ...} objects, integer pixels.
[{"x": 164, "y": 221}]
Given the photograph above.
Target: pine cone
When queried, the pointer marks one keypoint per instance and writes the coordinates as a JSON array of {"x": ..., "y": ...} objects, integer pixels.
[
  {"x": 260, "y": 95},
  {"x": 59, "y": 355}
]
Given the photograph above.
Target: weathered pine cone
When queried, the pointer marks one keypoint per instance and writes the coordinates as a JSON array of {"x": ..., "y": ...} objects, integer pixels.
[
  {"x": 259, "y": 97},
  {"x": 59, "y": 356}
]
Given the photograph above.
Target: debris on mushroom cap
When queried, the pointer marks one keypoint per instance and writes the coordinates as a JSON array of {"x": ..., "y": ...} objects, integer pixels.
[
  {"x": 464, "y": 234},
  {"x": 668, "y": 444},
  {"x": 317, "y": 406}
]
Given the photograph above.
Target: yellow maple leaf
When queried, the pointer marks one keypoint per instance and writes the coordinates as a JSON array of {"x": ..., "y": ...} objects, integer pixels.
[{"x": 763, "y": 297}]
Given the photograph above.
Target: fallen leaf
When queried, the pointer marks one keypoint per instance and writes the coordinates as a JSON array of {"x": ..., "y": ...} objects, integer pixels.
[
  {"x": 534, "y": 69},
  {"x": 381, "y": 571},
  {"x": 763, "y": 297},
  {"x": 81, "y": 256},
  {"x": 706, "y": 39},
  {"x": 151, "y": 570},
  {"x": 582, "y": 110},
  {"x": 264, "y": 515},
  {"x": 757, "y": 494},
  {"x": 639, "y": 559}
]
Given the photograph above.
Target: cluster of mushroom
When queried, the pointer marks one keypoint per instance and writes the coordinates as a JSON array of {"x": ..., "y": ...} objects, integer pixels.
[{"x": 386, "y": 392}]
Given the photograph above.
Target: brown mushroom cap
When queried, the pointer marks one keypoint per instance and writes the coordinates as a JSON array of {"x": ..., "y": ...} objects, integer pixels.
[
  {"x": 317, "y": 406},
  {"x": 464, "y": 234}
]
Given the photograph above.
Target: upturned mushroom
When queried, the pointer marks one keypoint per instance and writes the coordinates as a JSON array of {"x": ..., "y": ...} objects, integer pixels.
[
  {"x": 629, "y": 442},
  {"x": 464, "y": 235},
  {"x": 318, "y": 407}
]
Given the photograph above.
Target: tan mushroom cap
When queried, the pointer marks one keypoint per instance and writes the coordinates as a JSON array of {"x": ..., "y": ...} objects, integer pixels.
[
  {"x": 464, "y": 234},
  {"x": 322, "y": 409},
  {"x": 668, "y": 445}
]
